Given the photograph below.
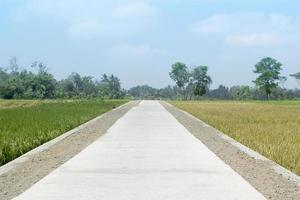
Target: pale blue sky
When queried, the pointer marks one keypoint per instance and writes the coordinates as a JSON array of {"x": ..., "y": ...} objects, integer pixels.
[{"x": 139, "y": 40}]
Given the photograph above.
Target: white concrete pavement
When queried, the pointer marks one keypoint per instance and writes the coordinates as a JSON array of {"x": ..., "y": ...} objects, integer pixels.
[{"x": 147, "y": 154}]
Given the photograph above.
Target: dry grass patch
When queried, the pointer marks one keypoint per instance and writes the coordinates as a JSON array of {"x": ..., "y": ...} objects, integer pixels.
[
  {"x": 7, "y": 104},
  {"x": 271, "y": 128}
]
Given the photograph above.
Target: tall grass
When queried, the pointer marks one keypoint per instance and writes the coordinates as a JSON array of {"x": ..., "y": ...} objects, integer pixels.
[
  {"x": 24, "y": 128},
  {"x": 271, "y": 128}
]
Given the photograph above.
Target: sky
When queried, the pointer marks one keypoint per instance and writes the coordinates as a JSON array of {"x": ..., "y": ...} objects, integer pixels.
[{"x": 138, "y": 41}]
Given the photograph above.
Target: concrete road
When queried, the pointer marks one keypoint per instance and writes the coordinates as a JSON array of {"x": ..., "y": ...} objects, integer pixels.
[{"x": 146, "y": 154}]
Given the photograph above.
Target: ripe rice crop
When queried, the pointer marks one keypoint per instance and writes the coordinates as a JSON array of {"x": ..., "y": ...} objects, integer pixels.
[
  {"x": 270, "y": 128},
  {"x": 24, "y": 128}
]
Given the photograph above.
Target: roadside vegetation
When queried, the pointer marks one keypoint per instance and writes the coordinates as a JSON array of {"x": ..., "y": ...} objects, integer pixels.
[
  {"x": 24, "y": 128},
  {"x": 270, "y": 128}
]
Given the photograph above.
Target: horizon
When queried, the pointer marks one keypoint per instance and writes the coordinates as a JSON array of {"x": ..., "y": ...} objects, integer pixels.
[{"x": 139, "y": 41}]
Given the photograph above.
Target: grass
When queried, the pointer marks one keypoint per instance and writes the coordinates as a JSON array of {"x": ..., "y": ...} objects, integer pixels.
[
  {"x": 24, "y": 128},
  {"x": 7, "y": 104},
  {"x": 270, "y": 128}
]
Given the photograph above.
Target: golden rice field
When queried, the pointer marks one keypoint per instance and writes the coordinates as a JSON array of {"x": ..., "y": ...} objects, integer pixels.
[{"x": 270, "y": 128}]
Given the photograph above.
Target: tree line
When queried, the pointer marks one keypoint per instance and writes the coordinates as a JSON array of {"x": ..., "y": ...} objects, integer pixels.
[
  {"x": 17, "y": 83},
  {"x": 190, "y": 83},
  {"x": 242, "y": 92},
  {"x": 195, "y": 83}
]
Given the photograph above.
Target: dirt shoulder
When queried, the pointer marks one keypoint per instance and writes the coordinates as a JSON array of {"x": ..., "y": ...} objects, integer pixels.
[
  {"x": 23, "y": 176},
  {"x": 260, "y": 174}
]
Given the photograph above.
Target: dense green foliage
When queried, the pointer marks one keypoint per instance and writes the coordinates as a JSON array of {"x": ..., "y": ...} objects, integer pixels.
[
  {"x": 245, "y": 92},
  {"x": 190, "y": 83},
  {"x": 24, "y": 128},
  {"x": 180, "y": 74},
  {"x": 109, "y": 87},
  {"x": 269, "y": 75},
  {"x": 26, "y": 84},
  {"x": 222, "y": 92},
  {"x": 147, "y": 92},
  {"x": 200, "y": 80},
  {"x": 22, "y": 84}
]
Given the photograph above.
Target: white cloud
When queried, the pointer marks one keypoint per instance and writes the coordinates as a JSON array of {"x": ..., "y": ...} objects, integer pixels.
[
  {"x": 90, "y": 18},
  {"x": 249, "y": 29}
]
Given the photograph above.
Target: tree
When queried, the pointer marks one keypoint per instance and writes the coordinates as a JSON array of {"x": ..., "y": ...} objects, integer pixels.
[
  {"x": 13, "y": 65},
  {"x": 110, "y": 87},
  {"x": 240, "y": 92},
  {"x": 144, "y": 92},
  {"x": 114, "y": 87},
  {"x": 12, "y": 86},
  {"x": 65, "y": 89},
  {"x": 103, "y": 86},
  {"x": 297, "y": 77},
  {"x": 88, "y": 86},
  {"x": 180, "y": 75},
  {"x": 201, "y": 80},
  {"x": 40, "y": 84},
  {"x": 6, "y": 90},
  {"x": 269, "y": 74},
  {"x": 76, "y": 80},
  {"x": 221, "y": 92},
  {"x": 43, "y": 82},
  {"x": 168, "y": 92}
]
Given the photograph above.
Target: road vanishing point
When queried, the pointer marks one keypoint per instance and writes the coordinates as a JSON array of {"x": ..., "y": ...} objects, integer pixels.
[{"x": 146, "y": 155}]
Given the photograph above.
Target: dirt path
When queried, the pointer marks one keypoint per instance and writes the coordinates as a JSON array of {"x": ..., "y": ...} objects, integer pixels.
[
  {"x": 38, "y": 166},
  {"x": 260, "y": 174}
]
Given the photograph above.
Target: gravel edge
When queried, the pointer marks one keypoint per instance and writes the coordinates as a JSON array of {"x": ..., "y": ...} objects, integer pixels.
[
  {"x": 20, "y": 174},
  {"x": 256, "y": 169}
]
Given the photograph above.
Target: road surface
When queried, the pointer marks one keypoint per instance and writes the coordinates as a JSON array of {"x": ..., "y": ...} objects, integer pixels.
[{"x": 146, "y": 154}]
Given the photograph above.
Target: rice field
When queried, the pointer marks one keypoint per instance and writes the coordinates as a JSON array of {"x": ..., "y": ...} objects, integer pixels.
[
  {"x": 270, "y": 128},
  {"x": 25, "y": 125}
]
